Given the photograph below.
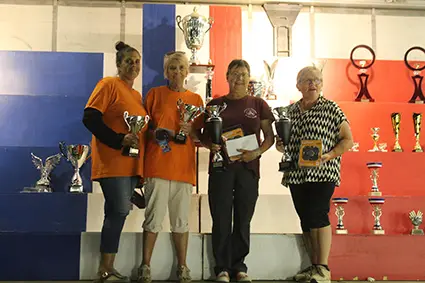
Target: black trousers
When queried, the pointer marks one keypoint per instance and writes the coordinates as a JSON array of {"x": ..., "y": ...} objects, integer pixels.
[
  {"x": 234, "y": 190},
  {"x": 312, "y": 203}
]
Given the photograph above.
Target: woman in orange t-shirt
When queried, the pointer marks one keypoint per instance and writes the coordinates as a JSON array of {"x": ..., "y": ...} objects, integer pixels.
[
  {"x": 170, "y": 166},
  {"x": 112, "y": 166}
]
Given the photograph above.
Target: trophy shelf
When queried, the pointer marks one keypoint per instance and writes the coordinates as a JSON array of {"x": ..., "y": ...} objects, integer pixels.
[
  {"x": 358, "y": 218},
  {"x": 389, "y": 257},
  {"x": 401, "y": 174},
  {"x": 61, "y": 213}
]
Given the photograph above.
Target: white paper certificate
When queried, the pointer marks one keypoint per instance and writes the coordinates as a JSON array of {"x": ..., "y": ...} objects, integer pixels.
[{"x": 247, "y": 142}]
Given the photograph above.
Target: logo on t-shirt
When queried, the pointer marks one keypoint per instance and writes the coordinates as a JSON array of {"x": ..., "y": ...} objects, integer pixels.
[{"x": 250, "y": 113}]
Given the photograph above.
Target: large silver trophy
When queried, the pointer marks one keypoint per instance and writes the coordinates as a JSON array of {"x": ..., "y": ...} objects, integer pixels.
[
  {"x": 214, "y": 124},
  {"x": 416, "y": 218},
  {"x": 76, "y": 154},
  {"x": 283, "y": 127},
  {"x": 135, "y": 125},
  {"x": 194, "y": 28},
  {"x": 43, "y": 184},
  {"x": 188, "y": 113}
]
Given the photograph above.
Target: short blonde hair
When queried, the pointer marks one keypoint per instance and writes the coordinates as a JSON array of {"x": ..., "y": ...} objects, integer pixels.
[
  {"x": 175, "y": 56},
  {"x": 307, "y": 70}
]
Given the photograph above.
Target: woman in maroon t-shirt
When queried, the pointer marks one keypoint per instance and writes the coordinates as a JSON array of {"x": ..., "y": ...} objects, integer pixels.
[{"x": 236, "y": 186}]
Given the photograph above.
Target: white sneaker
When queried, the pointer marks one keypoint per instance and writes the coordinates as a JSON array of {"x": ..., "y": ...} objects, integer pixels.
[
  {"x": 242, "y": 277},
  {"x": 223, "y": 277}
]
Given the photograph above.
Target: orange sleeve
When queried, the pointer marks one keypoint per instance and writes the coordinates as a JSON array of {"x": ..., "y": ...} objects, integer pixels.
[{"x": 102, "y": 97}]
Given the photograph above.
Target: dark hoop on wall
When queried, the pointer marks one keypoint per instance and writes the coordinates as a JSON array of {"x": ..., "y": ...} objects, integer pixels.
[
  {"x": 363, "y": 77},
  {"x": 370, "y": 50},
  {"x": 417, "y": 78}
]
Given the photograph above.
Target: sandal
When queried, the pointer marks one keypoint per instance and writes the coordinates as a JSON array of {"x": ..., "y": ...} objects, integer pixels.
[{"x": 113, "y": 276}]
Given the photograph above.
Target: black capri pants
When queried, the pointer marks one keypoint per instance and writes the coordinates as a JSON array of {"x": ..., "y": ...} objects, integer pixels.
[{"x": 312, "y": 203}]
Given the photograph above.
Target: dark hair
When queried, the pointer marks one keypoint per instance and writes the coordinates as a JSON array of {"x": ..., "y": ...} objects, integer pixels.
[
  {"x": 237, "y": 63},
  {"x": 123, "y": 48}
]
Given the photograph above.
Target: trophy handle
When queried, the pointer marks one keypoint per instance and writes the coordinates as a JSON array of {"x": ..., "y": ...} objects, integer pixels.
[
  {"x": 125, "y": 115},
  {"x": 146, "y": 119},
  {"x": 222, "y": 108},
  {"x": 179, "y": 20},
  {"x": 210, "y": 22},
  {"x": 62, "y": 149}
]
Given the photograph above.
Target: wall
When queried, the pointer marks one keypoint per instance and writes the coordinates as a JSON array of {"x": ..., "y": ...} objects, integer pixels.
[{"x": 83, "y": 43}]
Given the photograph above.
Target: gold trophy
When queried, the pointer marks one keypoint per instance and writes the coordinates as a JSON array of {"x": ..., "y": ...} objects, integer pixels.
[
  {"x": 417, "y": 119},
  {"x": 375, "y": 137},
  {"x": 395, "y": 119}
]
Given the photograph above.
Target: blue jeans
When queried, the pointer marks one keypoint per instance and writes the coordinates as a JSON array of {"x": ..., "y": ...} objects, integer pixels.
[{"x": 117, "y": 192}]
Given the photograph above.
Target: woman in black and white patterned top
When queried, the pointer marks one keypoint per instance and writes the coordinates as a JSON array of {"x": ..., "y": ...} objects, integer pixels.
[{"x": 315, "y": 118}]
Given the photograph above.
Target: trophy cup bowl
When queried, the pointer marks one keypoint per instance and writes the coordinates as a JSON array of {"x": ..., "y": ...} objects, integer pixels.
[
  {"x": 214, "y": 125},
  {"x": 43, "y": 184},
  {"x": 395, "y": 120},
  {"x": 340, "y": 212},
  {"x": 194, "y": 28},
  {"x": 135, "y": 124},
  {"x": 76, "y": 154},
  {"x": 417, "y": 120},
  {"x": 377, "y": 204},
  {"x": 416, "y": 219},
  {"x": 283, "y": 127},
  {"x": 374, "y": 174},
  {"x": 188, "y": 113}
]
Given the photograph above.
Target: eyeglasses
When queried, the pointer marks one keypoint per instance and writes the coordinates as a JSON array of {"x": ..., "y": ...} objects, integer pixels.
[{"x": 310, "y": 81}]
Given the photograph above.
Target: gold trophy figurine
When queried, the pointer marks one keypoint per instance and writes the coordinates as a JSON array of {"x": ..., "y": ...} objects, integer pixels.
[
  {"x": 395, "y": 119},
  {"x": 375, "y": 138},
  {"x": 417, "y": 119}
]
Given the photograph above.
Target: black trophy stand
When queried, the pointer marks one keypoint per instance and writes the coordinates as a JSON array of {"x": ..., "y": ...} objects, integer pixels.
[
  {"x": 417, "y": 78},
  {"x": 283, "y": 129},
  {"x": 363, "y": 76}
]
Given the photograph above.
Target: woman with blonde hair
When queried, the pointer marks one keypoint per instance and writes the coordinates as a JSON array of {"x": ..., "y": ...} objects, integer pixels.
[{"x": 170, "y": 170}]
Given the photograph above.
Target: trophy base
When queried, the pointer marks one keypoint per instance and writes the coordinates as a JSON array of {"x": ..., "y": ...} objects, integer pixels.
[
  {"x": 418, "y": 150},
  {"x": 37, "y": 189},
  {"x": 76, "y": 189},
  {"x": 180, "y": 139},
  {"x": 130, "y": 151},
  {"x": 341, "y": 231},
  {"x": 416, "y": 101},
  {"x": 358, "y": 99},
  {"x": 417, "y": 232},
  {"x": 378, "y": 232},
  {"x": 397, "y": 150},
  {"x": 286, "y": 166},
  {"x": 217, "y": 166},
  {"x": 375, "y": 194}
]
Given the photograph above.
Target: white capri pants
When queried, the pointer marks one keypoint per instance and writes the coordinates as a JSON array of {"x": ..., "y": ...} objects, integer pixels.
[{"x": 159, "y": 195}]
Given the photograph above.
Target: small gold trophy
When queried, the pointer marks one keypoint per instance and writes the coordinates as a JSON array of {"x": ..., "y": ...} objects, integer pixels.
[
  {"x": 375, "y": 137},
  {"x": 417, "y": 119},
  {"x": 395, "y": 119}
]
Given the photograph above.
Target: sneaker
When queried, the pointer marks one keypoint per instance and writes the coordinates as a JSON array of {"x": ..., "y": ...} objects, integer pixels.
[
  {"x": 321, "y": 275},
  {"x": 242, "y": 277},
  {"x": 183, "y": 274},
  {"x": 144, "y": 274},
  {"x": 305, "y": 274},
  {"x": 223, "y": 277}
]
